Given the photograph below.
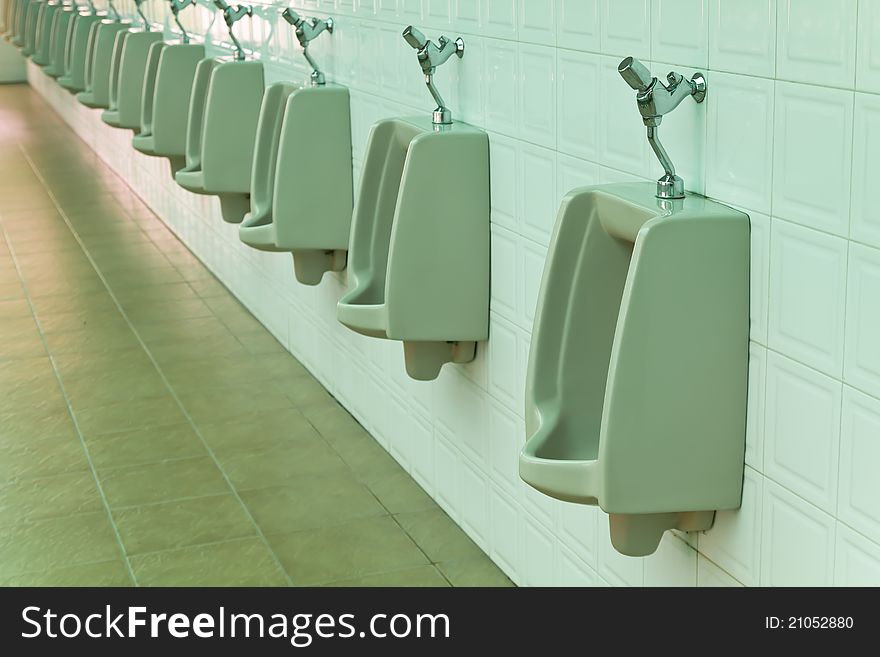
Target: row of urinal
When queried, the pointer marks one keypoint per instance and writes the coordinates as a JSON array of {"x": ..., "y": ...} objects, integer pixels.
[{"x": 635, "y": 396}]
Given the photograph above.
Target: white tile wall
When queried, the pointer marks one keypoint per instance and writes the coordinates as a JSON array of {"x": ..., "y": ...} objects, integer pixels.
[{"x": 790, "y": 133}]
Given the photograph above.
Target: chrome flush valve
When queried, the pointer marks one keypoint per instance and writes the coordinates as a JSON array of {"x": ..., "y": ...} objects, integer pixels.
[
  {"x": 655, "y": 99},
  {"x": 138, "y": 6},
  {"x": 232, "y": 15},
  {"x": 306, "y": 31},
  {"x": 178, "y": 6},
  {"x": 431, "y": 56}
]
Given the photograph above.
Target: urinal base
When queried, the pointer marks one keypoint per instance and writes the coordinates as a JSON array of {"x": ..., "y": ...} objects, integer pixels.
[
  {"x": 638, "y": 535},
  {"x": 310, "y": 265},
  {"x": 111, "y": 118},
  {"x": 234, "y": 207},
  {"x": 86, "y": 98},
  {"x": 425, "y": 359}
]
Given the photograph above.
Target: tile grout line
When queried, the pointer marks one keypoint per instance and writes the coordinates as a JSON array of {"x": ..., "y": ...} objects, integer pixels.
[
  {"x": 70, "y": 412},
  {"x": 174, "y": 395}
]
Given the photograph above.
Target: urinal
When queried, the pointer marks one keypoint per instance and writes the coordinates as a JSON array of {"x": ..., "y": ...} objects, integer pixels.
[
  {"x": 20, "y": 29},
  {"x": 301, "y": 189},
  {"x": 30, "y": 27},
  {"x": 165, "y": 112},
  {"x": 224, "y": 110},
  {"x": 62, "y": 25},
  {"x": 419, "y": 254},
  {"x": 10, "y": 18},
  {"x": 103, "y": 74},
  {"x": 127, "y": 75},
  {"x": 43, "y": 39},
  {"x": 637, "y": 375},
  {"x": 78, "y": 51},
  {"x": 148, "y": 89}
]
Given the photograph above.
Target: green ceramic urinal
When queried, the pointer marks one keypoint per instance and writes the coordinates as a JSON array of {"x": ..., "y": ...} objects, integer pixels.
[
  {"x": 79, "y": 50},
  {"x": 10, "y": 13},
  {"x": 224, "y": 110},
  {"x": 43, "y": 40},
  {"x": 637, "y": 375},
  {"x": 110, "y": 39},
  {"x": 30, "y": 27},
  {"x": 419, "y": 253},
  {"x": 61, "y": 25},
  {"x": 127, "y": 79},
  {"x": 301, "y": 189},
  {"x": 148, "y": 89},
  {"x": 165, "y": 112},
  {"x": 20, "y": 27}
]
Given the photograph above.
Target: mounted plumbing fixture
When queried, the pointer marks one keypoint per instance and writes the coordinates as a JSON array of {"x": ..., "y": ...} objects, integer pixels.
[
  {"x": 654, "y": 100},
  {"x": 117, "y": 17},
  {"x": 178, "y": 6},
  {"x": 232, "y": 15},
  {"x": 306, "y": 31},
  {"x": 138, "y": 5},
  {"x": 430, "y": 57}
]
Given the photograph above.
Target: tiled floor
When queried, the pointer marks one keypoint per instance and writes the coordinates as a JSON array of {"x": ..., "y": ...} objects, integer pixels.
[{"x": 151, "y": 431}]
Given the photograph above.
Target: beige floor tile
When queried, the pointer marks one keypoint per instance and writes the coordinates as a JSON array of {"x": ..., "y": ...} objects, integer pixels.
[
  {"x": 235, "y": 563},
  {"x": 143, "y": 446},
  {"x": 163, "y": 481},
  {"x": 349, "y": 551},
  {"x": 50, "y": 497},
  {"x": 105, "y": 573}
]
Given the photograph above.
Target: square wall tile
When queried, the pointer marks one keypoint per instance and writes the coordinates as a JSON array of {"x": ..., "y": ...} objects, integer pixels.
[
  {"x": 504, "y": 262},
  {"x": 500, "y": 18},
  {"x": 859, "y": 496},
  {"x": 578, "y": 104},
  {"x": 504, "y": 520},
  {"x": 626, "y": 28},
  {"x": 734, "y": 542},
  {"x": 865, "y": 217},
  {"x": 504, "y": 167},
  {"x": 759, "y": 276},
  {"x": 537, "y": 189},
  {"x": 537, "y": 546},
  {"x": 802, "y": 431},
  {"x": 537, "y": 22},
  {"x": 673, "y": 564},
  {"x": 679, "y": 32},
  {"x": 740, "y": 141},
  {"x": 862, "y": 359},
  {"x": 537, "y": 95},
  {"x": 868, "y": 54},
  {"x": 756, "y": 407},
  {"x": 742, "y": 36},
  {"x": 502, "y": 86},
  {"x": 711, "y": 576},
  {"x": 826, "y": 116},
  {"x": 807, "y": 296},
  {"x": 571, "y": 571},
  {"x": 798, "y": 543},
  {"x": 857, "y": 560},
  {"x": 817, "y": 42},
  {"x": 577, "y": 526},
  {"x": 506, "y": 436},
  {"x": 573, "y": 172},
  {"x": 577, "y": 25}
]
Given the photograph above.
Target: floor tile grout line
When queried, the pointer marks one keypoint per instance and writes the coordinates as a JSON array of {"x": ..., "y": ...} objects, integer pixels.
[
  {"x": 76, "y": 427},
  {"x": 174, "y": 395}
]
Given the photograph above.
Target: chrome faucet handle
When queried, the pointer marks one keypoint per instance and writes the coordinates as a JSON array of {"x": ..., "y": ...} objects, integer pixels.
[
  {"x": 430, "y": 57},
  {"x": 178, "y": 6},
  {"x": 635, "y": 74},
  {"x": 414, "y": 38},
  {"x": 232, "y": 15},
  {"x": 306, "y": 31}
]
